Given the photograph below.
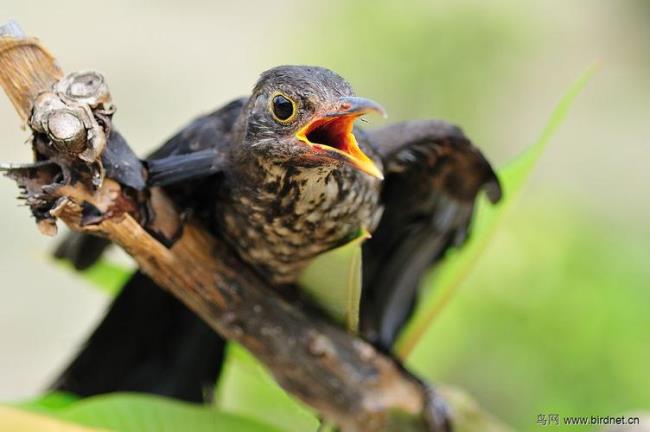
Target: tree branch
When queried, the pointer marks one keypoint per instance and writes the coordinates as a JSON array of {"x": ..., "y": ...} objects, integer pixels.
[{"x": 345, "y": 379}]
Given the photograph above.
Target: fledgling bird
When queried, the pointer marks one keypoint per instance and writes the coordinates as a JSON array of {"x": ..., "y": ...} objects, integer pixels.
[{"x": 283, "y": 176}]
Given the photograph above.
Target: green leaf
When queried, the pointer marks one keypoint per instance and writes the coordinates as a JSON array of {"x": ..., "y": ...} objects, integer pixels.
[
  {"x": 459, "y": 262},
  {"x": 49, "y": 402},
  {"x": 127, "y": 412},
  {"x": 247, "y": 388},
  {"x": 130, "y": 412},
  {"x": 333, "y": 281},
  {"x": 105, "y": 275}
]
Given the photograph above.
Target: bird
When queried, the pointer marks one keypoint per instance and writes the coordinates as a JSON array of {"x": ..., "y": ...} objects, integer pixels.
[{"x": 283, "y": 176}]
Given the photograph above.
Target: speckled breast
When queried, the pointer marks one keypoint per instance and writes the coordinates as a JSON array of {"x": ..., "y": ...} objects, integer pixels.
[{"x": 281, "y": 223}]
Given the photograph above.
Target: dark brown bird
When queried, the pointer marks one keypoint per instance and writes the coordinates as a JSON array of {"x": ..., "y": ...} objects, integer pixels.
[{"x": 283, "y": 176}]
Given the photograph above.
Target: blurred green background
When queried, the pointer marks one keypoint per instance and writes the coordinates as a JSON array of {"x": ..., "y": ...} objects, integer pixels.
[{"x": 555, "y": 317}]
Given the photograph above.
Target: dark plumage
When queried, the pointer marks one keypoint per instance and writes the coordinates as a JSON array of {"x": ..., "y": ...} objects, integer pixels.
[
  {"x": 282, "y": 177},
  {"x": 153, "y": 350}
]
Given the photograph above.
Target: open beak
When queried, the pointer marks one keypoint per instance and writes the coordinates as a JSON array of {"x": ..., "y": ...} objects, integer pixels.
[{"x": 332, "y": 133}]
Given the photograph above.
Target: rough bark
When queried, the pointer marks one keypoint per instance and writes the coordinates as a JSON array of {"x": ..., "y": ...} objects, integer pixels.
[{"x": 342, "y": 377}]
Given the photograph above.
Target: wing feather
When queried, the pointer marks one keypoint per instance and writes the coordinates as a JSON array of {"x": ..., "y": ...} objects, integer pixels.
[{"x": 433, "y": 174}]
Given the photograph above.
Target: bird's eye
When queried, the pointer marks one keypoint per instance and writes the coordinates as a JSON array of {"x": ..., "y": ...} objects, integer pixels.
[{"x": 283, "y": 108}]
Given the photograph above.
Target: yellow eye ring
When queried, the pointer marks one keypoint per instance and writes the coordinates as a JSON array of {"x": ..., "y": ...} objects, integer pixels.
[{"x": 282, "y": 107}]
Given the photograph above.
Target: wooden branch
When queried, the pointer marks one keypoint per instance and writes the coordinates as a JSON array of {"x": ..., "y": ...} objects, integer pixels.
[
  {"x": 26, "y": 67},
  {"x": 344, "y": 378}
]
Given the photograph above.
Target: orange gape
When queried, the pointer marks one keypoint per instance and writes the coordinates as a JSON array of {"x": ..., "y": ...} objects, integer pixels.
[{"x": 335, "y": 133}]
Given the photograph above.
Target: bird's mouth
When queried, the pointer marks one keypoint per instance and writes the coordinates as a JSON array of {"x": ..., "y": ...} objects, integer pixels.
[{"x": 332, "y": 133}]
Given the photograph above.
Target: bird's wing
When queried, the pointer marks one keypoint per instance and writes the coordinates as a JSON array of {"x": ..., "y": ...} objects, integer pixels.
[
  {"x": 210, "y": 131},
  {"x": 197, "y": 151},
  {"x": 184, "y": 167},
  {"x": 433, "y": 174},
  {"x": 199, "y": 146}
]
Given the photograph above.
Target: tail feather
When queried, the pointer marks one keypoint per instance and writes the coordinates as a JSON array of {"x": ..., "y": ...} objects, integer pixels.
[{"x": 148, "y": 342}]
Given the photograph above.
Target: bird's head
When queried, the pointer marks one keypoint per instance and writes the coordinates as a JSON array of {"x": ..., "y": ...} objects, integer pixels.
[{"x": 305, "y": 116}]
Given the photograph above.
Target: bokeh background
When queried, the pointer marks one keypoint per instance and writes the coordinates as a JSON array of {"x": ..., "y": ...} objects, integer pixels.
[{"x": 554, "y": 319}]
